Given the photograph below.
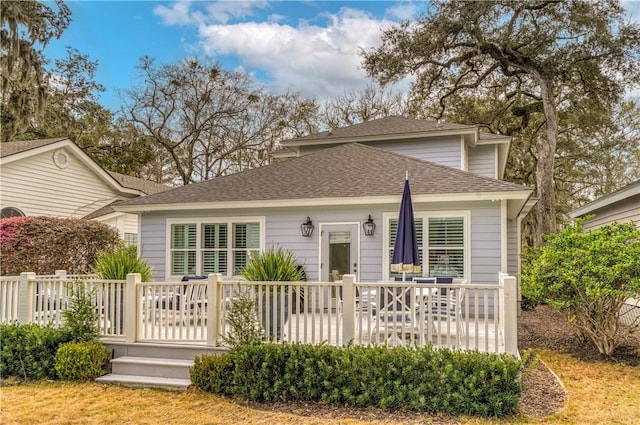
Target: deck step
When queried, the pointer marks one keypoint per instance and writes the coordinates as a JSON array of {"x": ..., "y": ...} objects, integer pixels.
[
  {"x": 151, "y": 366},
  {"x": 139, "y": 381}
]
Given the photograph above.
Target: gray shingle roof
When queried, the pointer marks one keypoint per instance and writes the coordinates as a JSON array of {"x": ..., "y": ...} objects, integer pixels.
[
  {"x": 12, "y": 148},
  {"x": 348, "y": 170},
  {"x": 146, "y": 186},
  {"x": 381, "y": 127}
]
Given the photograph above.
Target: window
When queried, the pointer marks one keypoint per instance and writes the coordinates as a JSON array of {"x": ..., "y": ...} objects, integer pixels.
[
  {"x": 11, "y": 212},
  {"x": 442, "y": 242},
  {"x": 131, "y": 239},
  {"x": 212, "y": 247}
]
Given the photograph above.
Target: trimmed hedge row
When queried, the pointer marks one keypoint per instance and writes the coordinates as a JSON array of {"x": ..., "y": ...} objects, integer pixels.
[{"x": 426, "y": 380}]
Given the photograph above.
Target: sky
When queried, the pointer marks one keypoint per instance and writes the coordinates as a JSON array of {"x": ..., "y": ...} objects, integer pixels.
[{"x": 309, "y": 47}]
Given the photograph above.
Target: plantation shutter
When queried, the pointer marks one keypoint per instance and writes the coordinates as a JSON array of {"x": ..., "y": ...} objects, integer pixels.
[
  {"x": 214, "y": 248},
  {"x": 246, "y": 239},
  {"x": 183, "y": 253},
  {"x": 446, "y": 246}
]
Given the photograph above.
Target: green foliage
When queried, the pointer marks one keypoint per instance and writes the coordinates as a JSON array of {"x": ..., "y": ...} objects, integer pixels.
[
  {"x": 46, "y": 244},
  {"x": 588, "y": 275},
  {"x": 117, "y": 263},
  {"x": 82, "y": 361},
  {"x": 28, "y": 351},
  {"x": 273, "y": 265},
  {"x": 244, "y": 327},
  {"x": 81, "y": 317},
  {"x": 425, "y": 380},
  {"x": 212, "y": 373}
]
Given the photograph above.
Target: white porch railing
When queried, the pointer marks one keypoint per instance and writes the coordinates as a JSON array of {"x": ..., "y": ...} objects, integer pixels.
[{"x": 458, "y": 315}]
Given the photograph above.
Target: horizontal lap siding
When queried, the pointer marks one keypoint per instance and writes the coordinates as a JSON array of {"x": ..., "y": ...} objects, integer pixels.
[
  {"x": 482, "y": 160},
  {"x": 441, "y": 150},
  {"x": 622, "y": 212},
  {"x": 512, "y": 247},
  {"x": 485, "y": 243},
  {"x": 37, "y": 186}
]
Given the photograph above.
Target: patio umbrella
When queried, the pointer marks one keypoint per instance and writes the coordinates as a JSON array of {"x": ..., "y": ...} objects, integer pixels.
[{"x": 406, "y": 258}]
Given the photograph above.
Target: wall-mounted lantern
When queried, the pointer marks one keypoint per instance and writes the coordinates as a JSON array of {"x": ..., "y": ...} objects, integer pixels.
[
  {"x": 369, "y": 227},
  {"x": 306, "y": 228}
]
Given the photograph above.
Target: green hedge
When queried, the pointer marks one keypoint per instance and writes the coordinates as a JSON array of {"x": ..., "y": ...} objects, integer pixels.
[
  {"x": 82, "y": 361},
  {"x": 423, "y": 380},
  {"x": 28, "y": 351}
]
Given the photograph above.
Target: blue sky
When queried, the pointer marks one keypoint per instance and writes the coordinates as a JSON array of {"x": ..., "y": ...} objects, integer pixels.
[{"x": 310, "y": 47}]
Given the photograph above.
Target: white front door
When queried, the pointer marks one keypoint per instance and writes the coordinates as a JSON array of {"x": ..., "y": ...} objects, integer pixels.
[{"x": 339, "y": 251}]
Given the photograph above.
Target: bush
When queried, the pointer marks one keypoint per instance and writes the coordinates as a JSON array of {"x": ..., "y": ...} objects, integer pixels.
[
  {"x": 28, "y": 351},
  {"x": 46, "y": 244},
  {"x": 244, "y": 327},
  {"x": 272, "y": 265},
  {"x": 81, "y": 317},
  {"x": 587, "y": 275},
  {"x": 82, "y": 361},
  {"x": 425, "y": 380},
  {"x": 117, "y": 263}
]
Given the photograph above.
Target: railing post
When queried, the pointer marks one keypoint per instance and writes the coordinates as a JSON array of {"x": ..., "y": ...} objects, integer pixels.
[
  {"x": 26, "y": 297},
  {"x": 510, "y": 322},
  {"x": 61, "y": 274},
  {"x": 213, "y": 308},
  {"x": 348, "y": 308},
  {"x": 131, "y": 307}
]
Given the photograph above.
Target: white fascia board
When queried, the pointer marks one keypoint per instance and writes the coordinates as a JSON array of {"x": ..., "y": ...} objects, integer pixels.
[
  {"x": 316, "y": 202},
  {"x": 35, "y": 151},
  {"x": 606, "y": 200},
  {"x": 382, "y": 137}
]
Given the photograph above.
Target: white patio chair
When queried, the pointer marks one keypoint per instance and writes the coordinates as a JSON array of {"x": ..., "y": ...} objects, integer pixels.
[{"x": 396, "y": 321}]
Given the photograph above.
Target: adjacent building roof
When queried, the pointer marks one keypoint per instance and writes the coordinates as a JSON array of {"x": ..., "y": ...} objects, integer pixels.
[
  {"x": 350, "y": 170},
  {"x": 619, "y": 195},
  {"x": 146, "y": 186},
  {"x": 12, "y": 148}
]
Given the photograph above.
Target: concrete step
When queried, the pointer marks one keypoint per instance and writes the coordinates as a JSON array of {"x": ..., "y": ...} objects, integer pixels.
[
  {"x": 138, "y": 381},
  {"x": 163, "y": 351},
  {"x": 151, "y": 366}
]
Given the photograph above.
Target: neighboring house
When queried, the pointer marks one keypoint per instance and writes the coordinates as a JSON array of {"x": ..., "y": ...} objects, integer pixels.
[
  {"x": 622, "y": 206},
  {"x": 468, "y": 220},
  {"x": 54, "y": 177}
]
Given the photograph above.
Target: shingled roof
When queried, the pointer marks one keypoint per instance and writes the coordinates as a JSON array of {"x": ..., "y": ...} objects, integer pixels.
[
  {"x": 388, "y": 126},
  {"x": 346, "y": 171},
  {"x": 12, "y": 148},
  {"x": 145, "y": 186}
]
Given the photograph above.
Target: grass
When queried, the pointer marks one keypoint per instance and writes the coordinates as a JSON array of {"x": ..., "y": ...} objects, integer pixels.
[{"x": 598, "y": 393}]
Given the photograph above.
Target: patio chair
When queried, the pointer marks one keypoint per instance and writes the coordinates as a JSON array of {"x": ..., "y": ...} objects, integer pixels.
[
  {"x": 189, "y": 304},
  {"x": 447, "y": 305},
  {"x": 396, "y": 320}
]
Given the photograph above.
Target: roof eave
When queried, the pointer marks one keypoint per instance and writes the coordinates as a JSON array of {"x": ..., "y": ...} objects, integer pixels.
[
  {"x": 606, "y": 200},
  {"x": 306, "y": 202},
  {"x": 472, "y": 131}
]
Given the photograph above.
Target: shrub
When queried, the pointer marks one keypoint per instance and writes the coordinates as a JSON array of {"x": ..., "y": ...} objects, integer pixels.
[
  {"x": 82, "y": 361},
  {"x": 46, "y": 244},
  {"x": 81, "y": 317},
  {"x": 271, "y": 265},
  {"x": 244, "y": 327},
  {"x": 117, "y": 263},
  {"x": 425, "y": 380},
  {"x": 28, "y": 351},
  {"x": 587, "y": 275}
]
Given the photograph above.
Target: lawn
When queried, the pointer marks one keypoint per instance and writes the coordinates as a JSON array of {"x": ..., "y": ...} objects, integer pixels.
[{"x": 598, "y": 393}]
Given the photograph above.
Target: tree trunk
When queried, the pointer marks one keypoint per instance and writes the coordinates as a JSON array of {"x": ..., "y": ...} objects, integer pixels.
[{"x": 546, "y": 148}]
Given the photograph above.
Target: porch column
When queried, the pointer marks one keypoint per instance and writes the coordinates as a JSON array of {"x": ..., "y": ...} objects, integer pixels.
[
  {"x": 213, "y": 308},
  {"x": 348, "y": 308},
  {"x": 26, "y": 295},
  {"x": 131, "y": 309},
  {"x": 510, "y": 319}
]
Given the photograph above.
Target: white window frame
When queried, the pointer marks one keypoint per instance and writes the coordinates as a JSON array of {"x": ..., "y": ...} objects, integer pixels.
[
  {"x": 199, "y": 221},
  {"x": 425, "y": 216}
]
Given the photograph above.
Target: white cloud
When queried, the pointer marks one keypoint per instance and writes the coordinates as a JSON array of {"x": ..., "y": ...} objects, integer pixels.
[
  {"x": 223, "y": 11},
  {"x": 404, "y": 11},
  {"x": 316, "y": 61},
  {"x": 176, "y": 14}
]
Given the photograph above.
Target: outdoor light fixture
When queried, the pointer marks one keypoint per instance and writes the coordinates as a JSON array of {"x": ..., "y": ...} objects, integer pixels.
[
  {"x": 307, "y": 228},
  {"x": 369, "y": 226}
]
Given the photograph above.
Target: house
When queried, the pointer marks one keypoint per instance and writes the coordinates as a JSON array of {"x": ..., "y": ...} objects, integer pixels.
[
  {"x": 622, "y": 206},
  {"x": 316, "y": 200},
  {"x": 54, "y": 177}
]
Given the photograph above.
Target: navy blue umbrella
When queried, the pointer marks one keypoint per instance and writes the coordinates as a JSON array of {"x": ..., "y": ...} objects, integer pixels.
[{"x": 406, "y": 257}]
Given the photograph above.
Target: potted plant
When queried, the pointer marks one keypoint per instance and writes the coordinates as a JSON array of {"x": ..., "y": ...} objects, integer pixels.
[{"x": 273, "y": 265}]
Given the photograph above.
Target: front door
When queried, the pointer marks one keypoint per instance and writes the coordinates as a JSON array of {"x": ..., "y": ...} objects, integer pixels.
[{"x": 339, "y": 251}]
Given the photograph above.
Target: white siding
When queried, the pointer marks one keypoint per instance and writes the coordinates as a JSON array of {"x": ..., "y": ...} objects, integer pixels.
[
  {"x": 482, "y": 160},
  {"x": 36, "y": 186},
  {"x": 124, "y": 223}
]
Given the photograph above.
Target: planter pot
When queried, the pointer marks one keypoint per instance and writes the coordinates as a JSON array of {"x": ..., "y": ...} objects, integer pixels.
[{"x": 276, "y": 308}]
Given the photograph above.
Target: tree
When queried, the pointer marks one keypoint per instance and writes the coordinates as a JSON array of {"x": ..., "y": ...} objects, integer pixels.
[
  {"x": 209, "y": 121},
  {"x": 356, "y": 107},
  {"x": 27, "y": 27},
  {"x": 553, "y": 55},
  {"x": 587, "y": 275}
]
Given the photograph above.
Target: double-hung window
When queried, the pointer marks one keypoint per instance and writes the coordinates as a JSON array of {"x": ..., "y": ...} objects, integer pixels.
[
  {"x": 212, "y": 246},
  {"x": 442, "y": 242}
]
